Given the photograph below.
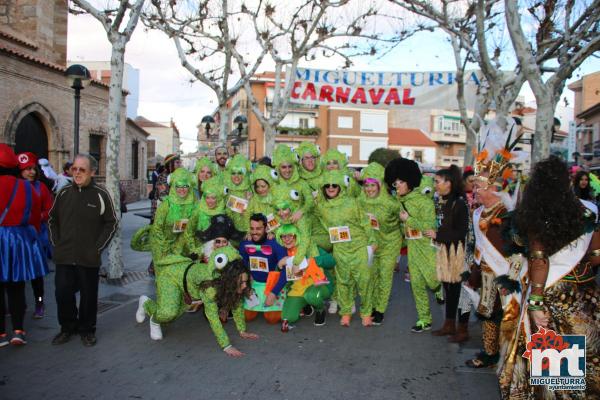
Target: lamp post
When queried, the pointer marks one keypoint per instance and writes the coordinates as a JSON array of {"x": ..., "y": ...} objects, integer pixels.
[
  {"x": 209, "y": 124},
  {"x": 240, "y": 123},
  {"x": 78, "y": 77}
]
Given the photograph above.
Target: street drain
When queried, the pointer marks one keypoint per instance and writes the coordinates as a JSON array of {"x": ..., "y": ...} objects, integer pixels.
[
  {"x": 104, "y": 306},
  {"x": 114, "y": 300},
  {"x": 126, "y": 279}
]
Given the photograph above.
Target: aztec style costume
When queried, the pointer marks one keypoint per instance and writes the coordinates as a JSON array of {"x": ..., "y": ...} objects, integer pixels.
[
  {"x": 262, "y": 204},
  {"x": 238, "y": 194},
  {"x": 382, "y": 212},
  {"x": 181, "y": 282},
  {"x": 421, "y": 254},
  {"x": 350, "y": 233},
  {"x": 341, "y": 160}
]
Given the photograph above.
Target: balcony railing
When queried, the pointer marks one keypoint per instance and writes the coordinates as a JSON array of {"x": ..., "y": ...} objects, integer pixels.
[
  {"x": 454, "y": 137},
  {"x": 445, "y": 161}
]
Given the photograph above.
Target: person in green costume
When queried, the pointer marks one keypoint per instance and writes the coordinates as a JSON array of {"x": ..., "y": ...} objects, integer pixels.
[
  {"x": 236, "y": 179},
  {"x": 204, "y": 170},
  {"x": 336, "y": 160},
  {"x": 221, "y": 285},
  {"x": 285, "y": 161},
  {"x": 307, "y": 285},
  {"x": 263, "y": 180},
  {"x": 382, "y": 210},
  {"x": 350, "y": 233},
  {"x": 418, "y": 215},
  {"x": 172, "y": 217}
]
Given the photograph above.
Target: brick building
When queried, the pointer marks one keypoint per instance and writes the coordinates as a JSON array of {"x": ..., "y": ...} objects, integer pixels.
[
  {"x": 586, "y": 128},
  {"x": 36, "y": 106}
]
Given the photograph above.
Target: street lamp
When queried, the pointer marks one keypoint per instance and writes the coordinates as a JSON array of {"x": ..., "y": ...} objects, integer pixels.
[
  {"x": 209, "y": 124},
  {"x": 240, "y": 122},
  {"x": 78, "y": 77}
]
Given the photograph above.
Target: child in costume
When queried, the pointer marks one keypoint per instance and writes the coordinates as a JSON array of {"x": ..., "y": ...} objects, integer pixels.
[
  {"x": 221, "y": 285},
  {"x": 285, "y": 161},
  {"x": 173, "y": 216},
  {"x": 236, "y": 179},
  {"x": 204, "y": 170},
  {"x": 263, "y": 180},
  {"x": 336, "y": 160},
  {"x": 418, "y": 215},
  {"x": 310, "y": 285},
  {"x": 382, "y": 210},
  {"x": 350, "y": 233}
]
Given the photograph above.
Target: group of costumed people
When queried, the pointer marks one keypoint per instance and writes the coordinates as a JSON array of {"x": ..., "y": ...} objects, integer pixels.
[{"x": 289, "y": 239}]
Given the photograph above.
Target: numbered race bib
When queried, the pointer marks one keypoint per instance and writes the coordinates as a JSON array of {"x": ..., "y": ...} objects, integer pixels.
[
  {"x": 259, "y": 264},
  {"x": 339, "y": 234},
  {"x": 272, "y": 223},
  {"x": 289, "y": 273},
  {"x": 180, "y": 225},
  {"x": 373, "y": 221},
  {"x": 237, "y": 204},
  {"x": 413, "y": 234}
]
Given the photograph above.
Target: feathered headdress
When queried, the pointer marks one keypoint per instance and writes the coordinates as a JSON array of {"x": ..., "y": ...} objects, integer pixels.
[{"x": 496, "y": 151}]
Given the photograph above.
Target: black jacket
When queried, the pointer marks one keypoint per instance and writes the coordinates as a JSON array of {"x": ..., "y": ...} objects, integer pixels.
[
  {"x": 454, "y": 221},
  {"x": 82, "y": 223}
]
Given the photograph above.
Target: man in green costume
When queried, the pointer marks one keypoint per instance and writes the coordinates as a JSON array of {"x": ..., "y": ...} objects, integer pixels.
[
  {"x": 263, "y": 180},
  {"x": 236, "y": 179},
  {"x": 336, "y": 160},
  {"x": 382, "y": 210},
  {"x": 285, "y": 161},
  {"x": 418, "y": 215}
]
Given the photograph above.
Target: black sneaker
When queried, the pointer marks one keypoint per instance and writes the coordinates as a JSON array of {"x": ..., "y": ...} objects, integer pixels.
[
  {"x": 320, "y": 318},
  {"x": 308, "y": 310},
  {"x": 377, "y": 318},
  {"x": 88, "y": 339},
  {"x": 421, "y": 326},
  {"x": 61, "y": 338}
]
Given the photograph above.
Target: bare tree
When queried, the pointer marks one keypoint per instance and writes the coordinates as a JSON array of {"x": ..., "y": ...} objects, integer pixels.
[
  {"x": 565, "y": 34},
  {"x": 209, "y": 37},
  {"x": 119, "y": 23},
  {"x": 306, "y": 30}
]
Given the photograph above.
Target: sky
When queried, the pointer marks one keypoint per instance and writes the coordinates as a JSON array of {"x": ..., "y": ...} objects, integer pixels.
[{"x": 167, "y": 89}]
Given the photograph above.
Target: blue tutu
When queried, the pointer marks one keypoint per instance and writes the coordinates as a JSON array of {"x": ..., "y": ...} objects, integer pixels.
[
  {"x": 45, "y": 240},
  {"x": 22, "y": 257}
]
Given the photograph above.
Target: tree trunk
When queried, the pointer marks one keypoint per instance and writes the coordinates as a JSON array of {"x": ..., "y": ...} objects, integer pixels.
[
  {"x": 115, "y": 98},
  {"x": 223, "y": 124},
  {"x": 544, "y": 120},
  {"x": 270, "y": 131}
]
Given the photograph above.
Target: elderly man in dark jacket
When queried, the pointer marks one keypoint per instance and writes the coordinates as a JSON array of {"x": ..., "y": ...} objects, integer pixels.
[{"x": 82, "y": 223}]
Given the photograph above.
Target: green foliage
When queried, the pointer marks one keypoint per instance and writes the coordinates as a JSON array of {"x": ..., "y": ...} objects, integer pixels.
[
  {"x": 298, "y": 131},
  {"x": 383, "y": 156}
]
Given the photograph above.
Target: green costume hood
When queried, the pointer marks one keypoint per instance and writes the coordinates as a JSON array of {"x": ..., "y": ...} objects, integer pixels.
[
  {"x": 215, "y": 187},
  {"x": 222, "y": 256},
  {"x": 336, "y": 177},
  {"x": 205, "y": 162},
  {"x": 238, "y": 163},
  {"x": 181, "y": 176},
  {"x": 374, "y": 171},
  {"x": 333, "y": 154},
  {"x": 426, "y": 186},
  {"x": 289, "y": 229},
  {"x": 313, "y": 149},
  {"x": 284, "y": 154},
  {"x": 285, "y": 197},
  {"x": 265, "y": 173}
]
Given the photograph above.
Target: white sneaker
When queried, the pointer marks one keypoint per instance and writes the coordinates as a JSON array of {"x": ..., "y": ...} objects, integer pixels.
[
  {"x": 155, "y": 331},
  {"x": 353, "y": 308},
  {"x": 333, "y": 307},
  {"x": 140, "y": 314}
]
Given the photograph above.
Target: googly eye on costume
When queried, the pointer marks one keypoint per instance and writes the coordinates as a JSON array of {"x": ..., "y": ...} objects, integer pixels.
[
  {"x": 319, "y": 149},
  {"x": 346, "y": 180},
  {"x": 294, "y": 195},
  {"x": 221, "y": 261},
  {"x": 225, "y": 190},
  {"x": 426, "y": 190},
  {"x": 274, "y": 174}
]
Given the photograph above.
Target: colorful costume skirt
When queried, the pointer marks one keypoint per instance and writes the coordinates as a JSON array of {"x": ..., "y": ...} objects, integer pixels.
[
  {"x": 45, "y": 240},
  {"x": 259, "y": 289},
  {"x": 22, "y": 256}
]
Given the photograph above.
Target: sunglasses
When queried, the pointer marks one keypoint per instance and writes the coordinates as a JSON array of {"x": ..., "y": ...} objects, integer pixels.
[
  {"x": 77, "y": 169},
  {"x": 333, "y": 162},
  {"x": 237, "y": 173},
  {"x": 253, "y": 249},
  {"x": 182, "y": 186},
  {"x": 332, "y": 186}
]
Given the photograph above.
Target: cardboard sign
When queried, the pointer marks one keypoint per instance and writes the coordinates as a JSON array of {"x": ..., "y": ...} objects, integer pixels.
[
  {"x": 290, "y": 275},
  {"x": 272, "y": 223},
  {"x": 413, "y": 234},
  {"x": 373, "y": 221},
  {"x": 180, "y": 225},
  {"x": 259, "y": 264},
  {"x": 237, "y": 204},
  {"x": 339, "y": 234}
]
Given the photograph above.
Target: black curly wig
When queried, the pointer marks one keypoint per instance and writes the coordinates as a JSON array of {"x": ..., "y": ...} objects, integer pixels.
[
  {"x": 227, "y": 284},
  {"x": 549, "y": 212}
]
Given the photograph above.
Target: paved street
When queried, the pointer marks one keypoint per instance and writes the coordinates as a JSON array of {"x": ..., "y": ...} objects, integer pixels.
[{"x": 330, "y": 362}]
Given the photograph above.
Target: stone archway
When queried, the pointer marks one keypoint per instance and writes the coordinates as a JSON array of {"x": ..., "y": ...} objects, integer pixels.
[{"x": 31, "y": 136}]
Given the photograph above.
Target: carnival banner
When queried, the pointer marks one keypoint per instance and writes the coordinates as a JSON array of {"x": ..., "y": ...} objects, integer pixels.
[{"x": 429, "y": 90}]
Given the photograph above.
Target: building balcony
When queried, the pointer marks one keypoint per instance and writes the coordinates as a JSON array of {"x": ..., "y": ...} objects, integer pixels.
[
  {"x": 446, "y": 136},
  {"x": 444, "y": 161}
]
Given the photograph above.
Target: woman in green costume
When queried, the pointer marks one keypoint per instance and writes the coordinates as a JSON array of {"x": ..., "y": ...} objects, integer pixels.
[
  {"x": 350, "y": 234},
  {"x": 285, "y": 161},
  {"x": 382, "y": 210},
  {"x": 221, "y": 285},
  {"x": 172, "y": 218},
  {"x": 263, "y": 180},
  {"x": 336, "y": 160},
  {"x": 236, "y": 179},
  {"x": 418, "y": 215},
  {"x": 204, "y": 170}
]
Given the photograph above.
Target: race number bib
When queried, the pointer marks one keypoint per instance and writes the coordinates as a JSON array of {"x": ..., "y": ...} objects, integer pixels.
[
  {"x": 259, "y": 264},
  {"x": 272, "y": 223},
  {"x": 413, "y": 234},
  {"x": 339, "y": 234},
  {"x": 180, "y": 225},
  {"x": 289, "y": 273},
  {"x": 373, "y": 221},
  {"x": 237, "y": 204}
]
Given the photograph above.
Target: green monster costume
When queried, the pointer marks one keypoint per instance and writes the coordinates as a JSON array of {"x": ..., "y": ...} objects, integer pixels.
[
  {"x": 304, "y": 291},
  {"x": 351, "y": 233},
  {"x": 342, "y": 162},
  {"x": 262, "y": 204},
  {"x": 172, "y": 218},
  {"x": 421, "y": 253},
  {"x": 382, "y": 211},
  {"x": 201, "y": 163},
  {"x": 283, "y": 154},
  {"x": 170, "y": 300},
  {"x": 238, "y": 165}
]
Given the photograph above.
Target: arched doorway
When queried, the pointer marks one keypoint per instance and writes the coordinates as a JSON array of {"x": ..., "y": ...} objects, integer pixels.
[{"x": 31, "y": 136}]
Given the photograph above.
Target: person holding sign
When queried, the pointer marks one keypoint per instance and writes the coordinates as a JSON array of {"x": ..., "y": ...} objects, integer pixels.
[
  {"x": 262, "y": 255},
  {"x": 285, "y": 161},
  {"x": 263, "y": 181},
  {"x": 418, "y": 215},
  {"x": 350, "y": 233},
  {"x": 239, "y": 193},
  {"x": 382, "y": 211},
  {"x": 311, "y": 284}
]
